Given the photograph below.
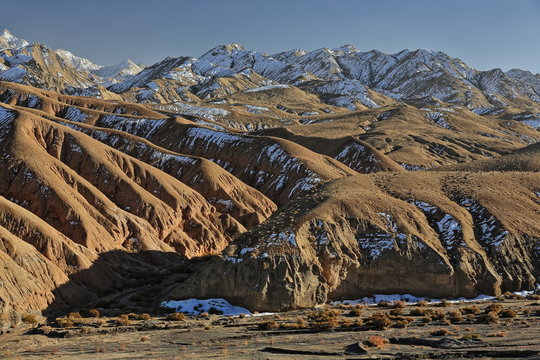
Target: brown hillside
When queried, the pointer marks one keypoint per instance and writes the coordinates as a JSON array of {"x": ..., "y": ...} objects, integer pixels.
[{"x": 441, "y": 234}]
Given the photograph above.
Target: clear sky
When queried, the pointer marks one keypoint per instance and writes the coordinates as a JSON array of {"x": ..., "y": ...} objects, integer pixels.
[{"x": 484, "y": 33}]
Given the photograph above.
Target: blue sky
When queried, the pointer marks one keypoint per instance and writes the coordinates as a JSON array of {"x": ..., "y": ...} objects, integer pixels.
[{"x": 484, "y": 33}]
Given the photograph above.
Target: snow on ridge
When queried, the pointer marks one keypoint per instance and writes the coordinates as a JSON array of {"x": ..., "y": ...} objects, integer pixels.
[
  {"x": 12, "y": 42},
  {"x": 18, "y": 59},
  {"x": 534, "y": 123},
  {"x": 6, "y": 118},
  {"x": 13, "y": 74},
  {"x": 410, "y": 167},
  {"x": 348, "y": 90},
  {"x": 267, "y": 87},
  {"x": 486, "y": 110},
  {"x": 78, "y": 63},
  {"x": 207, "y": 113},
  {"x": 376, "y": 243},
  {"x": 136, "y": 126},
  {"x": 287, "y": 165},
  {"x": 75, "y": 114},
  {"x": 448, "y": 228},
  {"x": 439, "y": 119},
  {"x": 358, "y": 157},
  {"x": 490, "y": 229},
  {"x": 213, "y": 137},
  {"x": 255, "y": 109}
]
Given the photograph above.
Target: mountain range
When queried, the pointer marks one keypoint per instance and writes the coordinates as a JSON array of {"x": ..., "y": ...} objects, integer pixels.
[{"x": 273, "y": 181}]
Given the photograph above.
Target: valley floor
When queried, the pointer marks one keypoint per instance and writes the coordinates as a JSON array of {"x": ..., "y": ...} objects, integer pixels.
[{"x": 506, "y": 328}]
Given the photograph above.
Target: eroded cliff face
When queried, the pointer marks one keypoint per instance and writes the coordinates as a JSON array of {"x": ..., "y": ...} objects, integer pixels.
[{"x": 430, "y": 234}]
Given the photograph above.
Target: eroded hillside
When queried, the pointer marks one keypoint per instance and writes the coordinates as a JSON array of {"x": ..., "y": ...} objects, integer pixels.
[{"x": 274, "y": 181}]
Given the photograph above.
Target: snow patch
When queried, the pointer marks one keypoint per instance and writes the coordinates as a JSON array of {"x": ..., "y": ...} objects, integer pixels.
[{"x": 198, "y": 306}]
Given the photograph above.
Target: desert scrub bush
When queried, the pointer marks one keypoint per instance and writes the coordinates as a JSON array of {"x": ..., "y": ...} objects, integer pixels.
[
  {"x": 533, "y": 297},
  {"x": 401, "y": 324},
  {"x": 498, "y": 334},
  {"x": 422, "y": 303},
  {"x": 176, "y": 317},
  {"x": 396, "y": 311},
  {"x": 375, "y": 341},
  {"x": 455, "y": 316},
  {"x": 123, "y": 320},
  {"x": 470, "y": 310},
  {"x": 64, "y": 322},
  {"x": 355, "y": 311},
  {"x": 328, "y": 324},
  {"x": 508, "y": 313},
  {"x": 489, "y": 318},
  {"x": 383, "y": 303},
  {"x": 470, "y": 337},
  {"x": 440, "y": 332},
  {"x": 74, "y": 315},
  {"x": 29, "y": 319},
  {"x": 378, "y": 321},
  {"x": 509, "y": 295},
  {"x": 399, "y": 304},
  {"x": 437, "y": 315},
  {"x": 527, "y": 312},
  {"x": 268, "y": 325},
  {"x": 427, "y": 319},
  {"x": 418, "y": 312},
  {"x": 94, "y": 313},
  {"x": 135, "y": 316},
  {"x": 302, "y": 323},
  {"x": 443, "y": 303},
  {"x": 496, "y": 308},
  {"x": 346, "y": 323}
]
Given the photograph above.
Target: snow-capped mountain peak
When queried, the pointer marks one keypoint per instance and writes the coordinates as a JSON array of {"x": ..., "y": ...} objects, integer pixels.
[
  {"x": 9, "y": 41},
  {"x": 124, "y": 68},
  {"x": 77, "y": 62}
]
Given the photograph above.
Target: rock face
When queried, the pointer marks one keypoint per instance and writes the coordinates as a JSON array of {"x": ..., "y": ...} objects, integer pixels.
[{"x": 442, "y": 234}]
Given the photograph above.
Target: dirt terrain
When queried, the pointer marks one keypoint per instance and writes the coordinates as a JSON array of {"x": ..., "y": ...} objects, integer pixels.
[{"x": 505, "y": 328}]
